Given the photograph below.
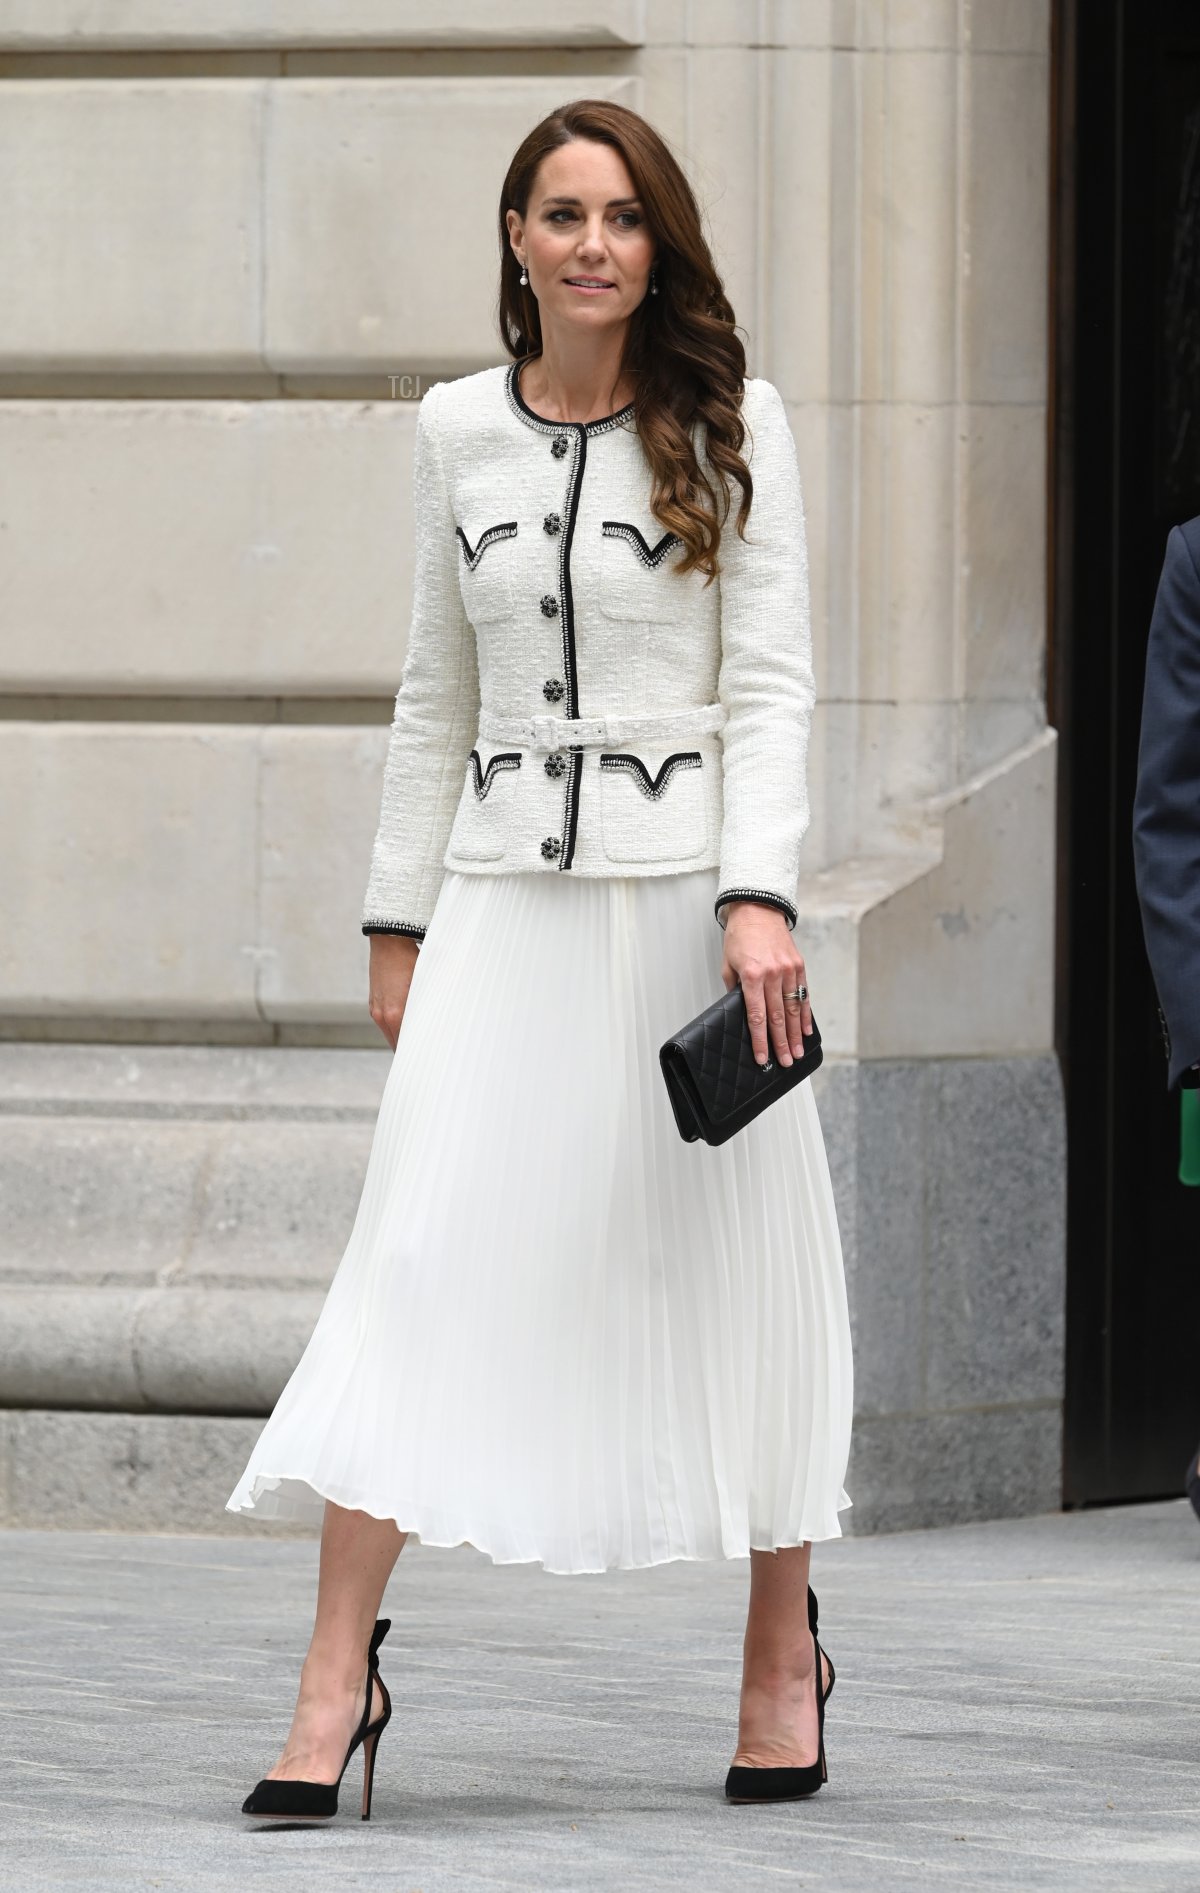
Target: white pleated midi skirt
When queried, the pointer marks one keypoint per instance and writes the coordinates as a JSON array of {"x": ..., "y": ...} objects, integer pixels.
[{"x": 559, "y": 1333}]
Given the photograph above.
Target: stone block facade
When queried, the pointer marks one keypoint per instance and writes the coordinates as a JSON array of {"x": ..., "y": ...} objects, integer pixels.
[{"x": 239, "y": 240}]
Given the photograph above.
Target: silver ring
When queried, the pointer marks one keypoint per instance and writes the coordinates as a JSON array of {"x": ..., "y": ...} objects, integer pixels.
[{"x": 801, "y": 992}]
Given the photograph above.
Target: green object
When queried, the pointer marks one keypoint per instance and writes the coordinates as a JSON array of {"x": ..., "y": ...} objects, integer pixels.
[{"x": 1189, "y": 1137}]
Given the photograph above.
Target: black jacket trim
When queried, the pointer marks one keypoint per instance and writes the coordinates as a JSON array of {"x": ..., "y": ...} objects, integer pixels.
[
  {"x": 507, "y": 531},
  {"x": 651, "y": 785},
  {"x": 760, "y": 894},
  {"x": 483, "y": 778},
  {"x": 394, "y": 926},
  {"x": 516, "y": 401},
  {"x": 573, "y": 781},
  {"x": 651, "y": 556},
  {"x": 575, "y": 434}
]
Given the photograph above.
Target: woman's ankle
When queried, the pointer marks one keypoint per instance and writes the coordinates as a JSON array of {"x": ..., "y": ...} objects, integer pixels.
[
  {"x": 333, "y": 1672},
  {"x": 776, "y": 1682},
  {"x": 771, "y": 1659}
]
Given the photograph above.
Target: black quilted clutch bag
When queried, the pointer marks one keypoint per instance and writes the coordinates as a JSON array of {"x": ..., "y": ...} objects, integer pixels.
[{"x": 713, "y": 1080}]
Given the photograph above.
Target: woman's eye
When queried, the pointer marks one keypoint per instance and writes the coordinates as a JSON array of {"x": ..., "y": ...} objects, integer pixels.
[{"x": 634, "y": 217}]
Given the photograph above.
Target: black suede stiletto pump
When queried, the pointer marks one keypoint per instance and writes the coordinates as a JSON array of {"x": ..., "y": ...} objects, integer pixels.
[
  {"x": 318, "y": 1800},
  {"x": 788, "y": 1784}
]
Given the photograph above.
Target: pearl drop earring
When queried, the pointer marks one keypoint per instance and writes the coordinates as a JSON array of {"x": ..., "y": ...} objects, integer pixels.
[
  {"x": 653, "y": 284},
  {"x": 524, "y": 276}
]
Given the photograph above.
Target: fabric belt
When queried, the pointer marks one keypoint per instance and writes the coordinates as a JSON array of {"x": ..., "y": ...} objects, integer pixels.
[{"x": 567, "y": 732}]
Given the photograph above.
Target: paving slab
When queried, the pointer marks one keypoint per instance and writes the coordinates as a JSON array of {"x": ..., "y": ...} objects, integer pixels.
[{"x": 1017, "y": 1707}]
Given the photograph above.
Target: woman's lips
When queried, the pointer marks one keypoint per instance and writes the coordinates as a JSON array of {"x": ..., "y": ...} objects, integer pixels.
[{"x": 590, "y": 289}]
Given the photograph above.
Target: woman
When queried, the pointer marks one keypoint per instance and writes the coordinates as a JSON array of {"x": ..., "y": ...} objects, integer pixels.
[{"x": 559, "y": 1333}]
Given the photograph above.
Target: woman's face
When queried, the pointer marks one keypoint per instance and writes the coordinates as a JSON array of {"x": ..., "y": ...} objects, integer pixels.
[{"x": 584, "y": 221}]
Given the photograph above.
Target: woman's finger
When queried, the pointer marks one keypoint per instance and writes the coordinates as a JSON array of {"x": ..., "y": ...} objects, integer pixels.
[
  {"x": 799, "y": 1010},
  {"x": 756, "y": 1014},
  {"x": 777, "y": 1016},
  {"x": 795, "y": 1019}
]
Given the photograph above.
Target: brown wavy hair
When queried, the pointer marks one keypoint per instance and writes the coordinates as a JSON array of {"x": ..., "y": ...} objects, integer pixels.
[{"x": 681, "y": 350}]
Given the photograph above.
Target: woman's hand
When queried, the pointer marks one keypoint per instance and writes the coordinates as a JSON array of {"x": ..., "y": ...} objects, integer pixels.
[
  {"x": 393, "y": 957},
  {"x": 762, "y": 958}
]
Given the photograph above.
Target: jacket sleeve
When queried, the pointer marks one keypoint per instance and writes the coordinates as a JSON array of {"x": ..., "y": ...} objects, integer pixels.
[
  {"x": 436, "y": 714},
  {"x": 766, "y": 677},
  {"x": 1166, "y": 808}
]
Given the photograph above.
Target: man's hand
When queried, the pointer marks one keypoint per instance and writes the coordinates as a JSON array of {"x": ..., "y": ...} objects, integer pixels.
[
  {"x": 393, "y": 958},
  {"x": 762, "y": 958}
]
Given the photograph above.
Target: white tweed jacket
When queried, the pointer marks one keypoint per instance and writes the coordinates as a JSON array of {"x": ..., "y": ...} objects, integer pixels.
[{"x": 569, "y": 703}]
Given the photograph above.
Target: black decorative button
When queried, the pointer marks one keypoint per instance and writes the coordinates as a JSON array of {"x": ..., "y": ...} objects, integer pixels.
[
  {"x": 552, "y": 847},
  {"x": 555, "y": 764},
  {"x": 552, "y": 524},
  {"x": 549, "y": 605},
  {"x": 552, "y": 689},
  {"x": 559, "y": 445}
]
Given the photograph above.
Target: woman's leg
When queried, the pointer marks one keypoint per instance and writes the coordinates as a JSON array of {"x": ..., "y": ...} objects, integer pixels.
[
  {"x": 777, "y": 1723},
  {"x": 358, "y": 1553}
]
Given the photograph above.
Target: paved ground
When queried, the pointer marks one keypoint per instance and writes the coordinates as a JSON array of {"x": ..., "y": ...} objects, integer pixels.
[{"x": 1017, "y": 1706}]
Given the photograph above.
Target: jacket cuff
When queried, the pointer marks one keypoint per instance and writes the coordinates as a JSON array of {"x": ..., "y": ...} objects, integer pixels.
[
  {"x": 760, "y": 894},
  {"x": 394, "y": 926}
]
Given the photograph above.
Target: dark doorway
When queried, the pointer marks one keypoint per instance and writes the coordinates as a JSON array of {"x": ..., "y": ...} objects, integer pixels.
[{"x": 1126, "y": 467}]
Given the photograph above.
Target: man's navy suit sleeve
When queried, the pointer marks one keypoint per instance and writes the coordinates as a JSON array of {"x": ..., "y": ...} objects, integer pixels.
[{"x": 1166, "y": 814}]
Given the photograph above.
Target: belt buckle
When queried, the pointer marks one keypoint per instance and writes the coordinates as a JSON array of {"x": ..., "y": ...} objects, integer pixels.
[{"x": 541, "y": 731}]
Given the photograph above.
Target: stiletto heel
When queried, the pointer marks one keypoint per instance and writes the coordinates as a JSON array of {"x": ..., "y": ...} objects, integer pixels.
[
  {"x": 789, "y": 1784},
  {"x": 318, "y": 1800},
  {"x": 369, "y": 1747}
]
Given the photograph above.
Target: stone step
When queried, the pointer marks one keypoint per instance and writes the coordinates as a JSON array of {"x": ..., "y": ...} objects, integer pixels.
[
  {"x": 136, "y": 1472},
  {"x": 164, "y": 1350},
  {"x": 170, "y": 1217}
]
